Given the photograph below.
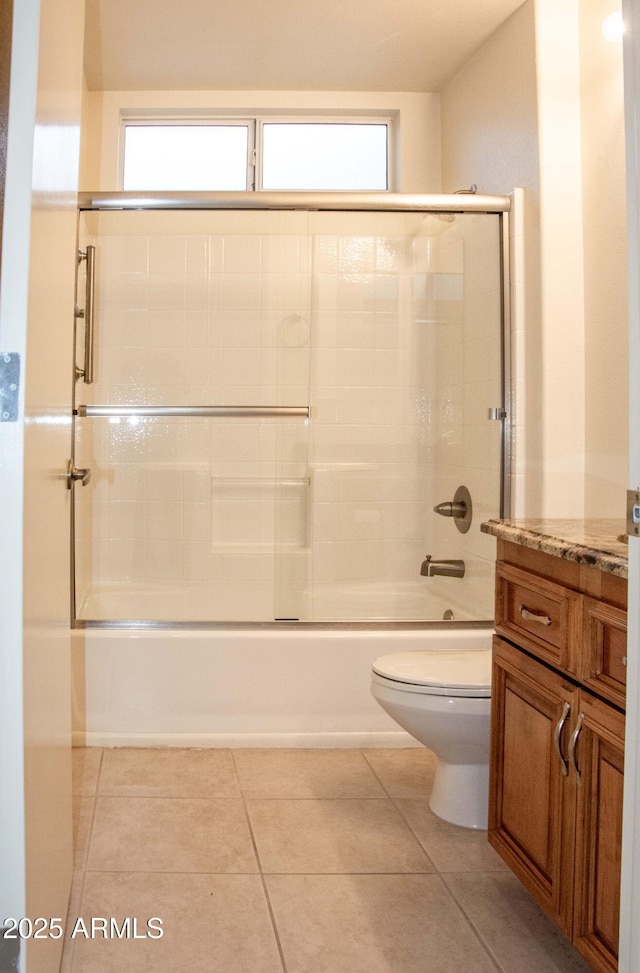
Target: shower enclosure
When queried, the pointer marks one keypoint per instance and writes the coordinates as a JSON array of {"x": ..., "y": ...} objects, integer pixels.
[{"x": 272, "y": 394}]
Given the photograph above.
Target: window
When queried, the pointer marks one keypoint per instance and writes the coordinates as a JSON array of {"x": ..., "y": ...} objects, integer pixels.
[
  {"x": 254, "y": 154},
  {"x": 185, "y": 157},
  {"x": 319, "y": 155}
]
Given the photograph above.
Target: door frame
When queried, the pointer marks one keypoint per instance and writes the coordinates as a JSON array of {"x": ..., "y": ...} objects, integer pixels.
[
  {"x": 629, "y": 959},
  {"x": 19, "y": 119}
]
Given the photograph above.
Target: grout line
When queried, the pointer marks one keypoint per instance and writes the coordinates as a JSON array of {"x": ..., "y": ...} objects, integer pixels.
[
  {"x": 394, "y": 801},
  {"x": 472, "y": 926},
  {"x": 281, "y": 874},
  {"x": 165, "y": 797},
  {"x": 265, "y": 890},
  {"x": 79, "y": 875}
]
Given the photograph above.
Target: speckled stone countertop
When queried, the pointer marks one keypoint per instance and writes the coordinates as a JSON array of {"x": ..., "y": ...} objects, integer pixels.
[{"x": 598, "y": 543}]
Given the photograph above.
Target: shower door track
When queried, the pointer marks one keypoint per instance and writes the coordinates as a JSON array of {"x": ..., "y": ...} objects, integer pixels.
[
  {"x": 346, "y": 202},
  {"x": 377, "y": 625}
]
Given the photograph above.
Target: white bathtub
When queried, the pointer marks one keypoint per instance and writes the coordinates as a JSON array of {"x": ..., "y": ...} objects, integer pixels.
[{"x": 251, "y": 687}]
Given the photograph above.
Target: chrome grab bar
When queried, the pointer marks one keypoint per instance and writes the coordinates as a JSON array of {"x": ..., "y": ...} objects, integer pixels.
[
  {"x": 533, "y": 617},
  {"x": 89, "y": 254},
  {"x": 214, "y": 411},
  {"x": 557, "y": 738}
]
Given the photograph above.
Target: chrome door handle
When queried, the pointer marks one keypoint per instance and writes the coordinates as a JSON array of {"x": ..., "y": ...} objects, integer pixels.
[
  {"x": 533, "y": 617},
  {"x": 74, "y": 473},
  {"x": 88, "y": 313},
  {"x": 557, "y": 735},
  {"x": 572, "y": 747}
]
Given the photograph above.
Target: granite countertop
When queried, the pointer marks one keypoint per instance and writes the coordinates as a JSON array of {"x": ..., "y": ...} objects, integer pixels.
[{"x": 601, "y": 544}]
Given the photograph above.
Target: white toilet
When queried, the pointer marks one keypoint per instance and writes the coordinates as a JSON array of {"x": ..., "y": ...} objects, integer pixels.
[{"x": 443, "y": 699}]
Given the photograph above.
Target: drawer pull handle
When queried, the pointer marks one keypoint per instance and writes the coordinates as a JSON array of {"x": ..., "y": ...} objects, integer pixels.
[
  {"x": 572, "y": 746},
  {"x": 533, "y": 617},
  {"x": 557, "y": 735}
]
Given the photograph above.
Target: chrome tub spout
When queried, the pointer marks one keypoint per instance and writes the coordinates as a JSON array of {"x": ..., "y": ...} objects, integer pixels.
[{"x": 451, "y": 568}]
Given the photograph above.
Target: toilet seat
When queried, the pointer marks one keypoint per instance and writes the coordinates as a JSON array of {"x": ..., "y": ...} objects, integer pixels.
[{"x": 446, "y": 673}]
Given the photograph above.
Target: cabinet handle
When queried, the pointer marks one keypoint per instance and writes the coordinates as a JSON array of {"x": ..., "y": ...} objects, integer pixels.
[
  {"x": 557, "y": 734},
  {"x": 572, "y": 746},
  {"x": 532, "y": 617}
]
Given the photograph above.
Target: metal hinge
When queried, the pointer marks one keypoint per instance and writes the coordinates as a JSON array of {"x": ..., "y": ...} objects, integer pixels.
[
  {"x": 9, "y": 385},
  {"x": 633, "y": 512}
]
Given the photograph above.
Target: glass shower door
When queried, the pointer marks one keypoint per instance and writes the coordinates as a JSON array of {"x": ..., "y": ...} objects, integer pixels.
[
  {"x": 408, "y": 348},
  {"x": 281, "y": 398},
  {"x": 196, "y": 427}
]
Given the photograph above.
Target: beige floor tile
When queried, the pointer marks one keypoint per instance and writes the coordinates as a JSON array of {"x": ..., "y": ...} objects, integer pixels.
[
  {"x": 160, "y": 772},
  {"x": 210, "y": 924},
  {"x": 372, "y": 924},
  {"x": 514, "y": 929},
  {"x": 85, "y": 769},
  {"x": 334, "y": 836},
  {"x": 170, "y": 835},
  {"x": 306, "y": 773},
  {"x": 406, "y": 772},
  {"x": 450, "y": 848}
]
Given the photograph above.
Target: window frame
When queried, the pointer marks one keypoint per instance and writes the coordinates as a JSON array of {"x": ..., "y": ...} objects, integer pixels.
[{"x": 255, "y": 124}]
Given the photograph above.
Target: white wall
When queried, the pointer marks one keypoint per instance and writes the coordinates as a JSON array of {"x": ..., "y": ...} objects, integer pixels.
[
  {"x": 605, "y": 263},
  {"x": 540, "y": 106},
  {"x": 418, "y": 119},
  {"x": 562, "y": 329},
  {"x": 490, "y": 138}
]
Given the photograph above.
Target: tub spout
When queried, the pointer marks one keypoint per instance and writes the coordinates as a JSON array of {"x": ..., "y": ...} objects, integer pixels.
[{"x": 452, "y": 568}]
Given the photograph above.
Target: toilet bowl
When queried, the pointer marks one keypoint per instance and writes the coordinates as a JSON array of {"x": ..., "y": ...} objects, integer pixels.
[{"x": 443, "y": 699}]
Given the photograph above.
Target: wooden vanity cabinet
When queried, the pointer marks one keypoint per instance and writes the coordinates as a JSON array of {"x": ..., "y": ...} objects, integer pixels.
[{"x": 555, "y": 811}]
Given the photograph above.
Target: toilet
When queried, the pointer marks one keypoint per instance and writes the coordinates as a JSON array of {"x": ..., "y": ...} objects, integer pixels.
[{"x": 443, "y": 699}]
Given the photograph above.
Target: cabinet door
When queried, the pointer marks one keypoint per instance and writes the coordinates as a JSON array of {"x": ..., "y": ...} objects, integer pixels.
[
  {"x": 599, "y": 760},
  {"x": 532, "y": 796}
]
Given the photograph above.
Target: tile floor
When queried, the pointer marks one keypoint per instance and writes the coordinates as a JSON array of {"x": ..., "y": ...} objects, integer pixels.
[{"x": 289, "y": 861}]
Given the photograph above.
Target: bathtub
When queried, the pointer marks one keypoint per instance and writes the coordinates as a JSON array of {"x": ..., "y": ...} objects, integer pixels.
[{"x": 261, "y": 686}]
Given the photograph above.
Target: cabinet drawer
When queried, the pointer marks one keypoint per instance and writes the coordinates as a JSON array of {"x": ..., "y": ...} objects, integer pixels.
[
  {"x": 604, "y": 660},
  {"x": 539, "y": 615}
]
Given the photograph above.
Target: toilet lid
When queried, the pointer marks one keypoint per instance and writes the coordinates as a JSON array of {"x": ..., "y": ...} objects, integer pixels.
[{"x": 467, "y": 669}]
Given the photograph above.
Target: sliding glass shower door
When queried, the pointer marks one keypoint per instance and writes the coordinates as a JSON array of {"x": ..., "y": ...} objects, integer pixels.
[{"x": 280, "y": 398}]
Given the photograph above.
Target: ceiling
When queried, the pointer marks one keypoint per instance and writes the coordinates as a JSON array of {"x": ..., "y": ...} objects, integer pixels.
[{"x": 286, "y": 45}]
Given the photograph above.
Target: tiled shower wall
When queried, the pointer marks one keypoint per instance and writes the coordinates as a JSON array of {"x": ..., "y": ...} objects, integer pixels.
[{"x": 363, "y": 317}]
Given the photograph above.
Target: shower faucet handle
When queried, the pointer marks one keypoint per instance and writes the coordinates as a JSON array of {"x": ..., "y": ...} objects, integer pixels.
[
  {"x": 460, "y": 509},
  {"x": 451, "y": 508}
]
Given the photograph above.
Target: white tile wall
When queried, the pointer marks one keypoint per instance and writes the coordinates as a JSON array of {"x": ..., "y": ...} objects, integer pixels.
[{"x": 367, "y": 318}]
